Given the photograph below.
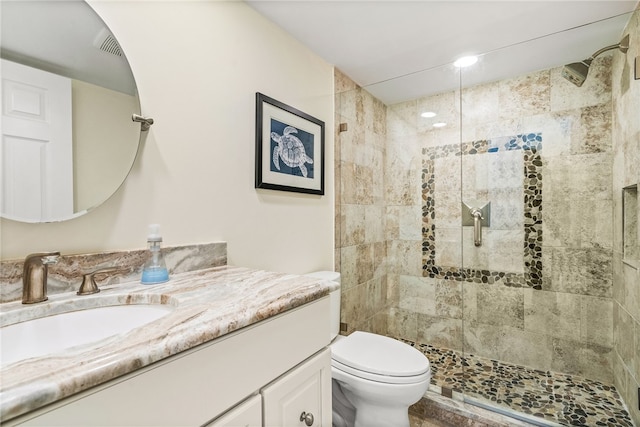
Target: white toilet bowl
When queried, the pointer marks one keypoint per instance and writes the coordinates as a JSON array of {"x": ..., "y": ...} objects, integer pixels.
[
  {"x": 379, "y": 377},
  {"x": 375, "y": 378}
]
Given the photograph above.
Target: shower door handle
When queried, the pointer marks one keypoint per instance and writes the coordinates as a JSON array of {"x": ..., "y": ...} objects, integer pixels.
[{"x": 477, "y": 226}]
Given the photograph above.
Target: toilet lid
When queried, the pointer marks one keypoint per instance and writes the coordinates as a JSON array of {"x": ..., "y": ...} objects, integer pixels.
[{"x": 377, "y": 354}]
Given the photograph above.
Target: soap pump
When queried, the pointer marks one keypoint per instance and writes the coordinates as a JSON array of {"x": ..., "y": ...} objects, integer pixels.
[{"x": 154, "y": 270}]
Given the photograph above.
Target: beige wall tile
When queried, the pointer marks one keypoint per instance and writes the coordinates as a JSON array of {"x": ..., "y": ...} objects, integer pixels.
[
  {"x": 587, "y": 360},
  {"x": 575, "y": 222},
  {"x": 401, "y": 120},
  {"x": 364, "y": 263},
  {"x": 402, "y": 324},
  {"x": 623, "y": 335},
  {"x": 508, "y": 344},
  {"x": 631, "y": 299},
  {"x": 447, "y": 171},
  {"x": 445, "y": 105},
  {"x": 524, "y": 96},
  {"x": 435, "y": 137},
  {"x": 392, "y": 222},
  {"x": 374, "y": 223},
  {"x": 352, "y": 224},
  {"x": 448, "y": 247},
  {"x": 348, "y": 267},
  {"x": 409, "y": 223},
  {"x": 500, "y": 305},
  {"x": 592, "y": 132},
  {"x": 417, "y": 294},
  {"x": 449, "y": 298},
  {"x": 579, "y": 271},
  {"x": 479, "y": 104},
  {"x": 353, "y": 305},
  {"x": 501, "y": 250},
  {"x": 553, "y": 314},
  {"x": 342, "y": 82},
  {"x": 439, "y": 331},
  {"x": 596, "y": 321},
  {"x": 448, "y": 209}
]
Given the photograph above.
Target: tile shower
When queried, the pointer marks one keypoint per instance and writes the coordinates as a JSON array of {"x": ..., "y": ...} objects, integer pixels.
[{"x": 547, "y": 296}]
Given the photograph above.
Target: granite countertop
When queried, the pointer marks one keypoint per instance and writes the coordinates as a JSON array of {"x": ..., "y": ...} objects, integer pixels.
[{"x": 206, "y": 304}]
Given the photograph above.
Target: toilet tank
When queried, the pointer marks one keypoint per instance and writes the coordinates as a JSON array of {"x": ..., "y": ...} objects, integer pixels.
[{"x": 334, "y": 298}]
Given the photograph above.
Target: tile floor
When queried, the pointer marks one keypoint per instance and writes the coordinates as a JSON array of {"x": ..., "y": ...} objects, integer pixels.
[{"x": 560, "y": 398}]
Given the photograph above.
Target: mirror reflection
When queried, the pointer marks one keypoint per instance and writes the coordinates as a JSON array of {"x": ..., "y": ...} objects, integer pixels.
[{"x": 68, "y": 92}]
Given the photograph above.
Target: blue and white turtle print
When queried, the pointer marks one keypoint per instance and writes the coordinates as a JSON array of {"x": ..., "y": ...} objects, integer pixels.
[{"x": 290, "y": 149}]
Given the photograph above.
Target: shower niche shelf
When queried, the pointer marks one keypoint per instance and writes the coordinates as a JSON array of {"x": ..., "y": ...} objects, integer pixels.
[{"x": 630, "y": 230}]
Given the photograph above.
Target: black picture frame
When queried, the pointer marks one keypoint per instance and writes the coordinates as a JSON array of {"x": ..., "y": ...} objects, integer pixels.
[{"x": 289, "y": 148}]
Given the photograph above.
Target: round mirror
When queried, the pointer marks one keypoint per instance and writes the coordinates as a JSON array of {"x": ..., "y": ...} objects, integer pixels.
[{"x": 68, "y": 94}]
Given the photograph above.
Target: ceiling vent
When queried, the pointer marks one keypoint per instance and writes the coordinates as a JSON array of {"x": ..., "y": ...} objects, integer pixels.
[{"x": 107, "y": 43}]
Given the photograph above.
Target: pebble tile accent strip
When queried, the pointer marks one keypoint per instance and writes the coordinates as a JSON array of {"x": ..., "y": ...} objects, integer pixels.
[
  {"x": 564, "y": 399},
  {"x": 531, "y": 145}
]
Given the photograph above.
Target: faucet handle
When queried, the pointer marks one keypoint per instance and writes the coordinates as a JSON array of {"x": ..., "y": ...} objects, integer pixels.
[{"x": 89, "y": 285}]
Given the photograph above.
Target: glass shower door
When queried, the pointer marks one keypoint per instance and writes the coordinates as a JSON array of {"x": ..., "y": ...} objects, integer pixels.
[{"x": 537, "y": 290}]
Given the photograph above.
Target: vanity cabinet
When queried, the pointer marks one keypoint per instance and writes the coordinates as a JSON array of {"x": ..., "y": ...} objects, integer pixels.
[
  {"x": 300, "y": 397},
  {"x": 264, "y": 374},
  {"x": 246, "y": 414}
]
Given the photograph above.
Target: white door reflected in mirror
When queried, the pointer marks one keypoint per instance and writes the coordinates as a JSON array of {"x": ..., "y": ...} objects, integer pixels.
[
  {"x": 37, "y": 157},
  {"x": 38, "y": 185}
]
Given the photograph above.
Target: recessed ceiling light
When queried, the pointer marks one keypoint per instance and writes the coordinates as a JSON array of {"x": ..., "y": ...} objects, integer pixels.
[
  {"x": 465, "y": 61},
  {"x": 428, "y": 114},
  {"x": 439, "y": 125}
]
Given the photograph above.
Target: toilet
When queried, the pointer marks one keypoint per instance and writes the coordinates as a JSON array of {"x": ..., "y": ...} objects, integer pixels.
[{"x": 374, "y": 378}]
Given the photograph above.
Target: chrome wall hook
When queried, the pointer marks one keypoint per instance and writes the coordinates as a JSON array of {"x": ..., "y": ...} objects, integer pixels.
[{"x": 145, "y": 122}]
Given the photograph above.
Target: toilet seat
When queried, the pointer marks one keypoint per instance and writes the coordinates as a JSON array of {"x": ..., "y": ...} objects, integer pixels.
[
  {"x": 379, "y": 358},
  {"x": 385, "y": 379}
]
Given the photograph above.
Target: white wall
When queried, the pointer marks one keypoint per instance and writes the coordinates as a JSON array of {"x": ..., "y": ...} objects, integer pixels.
[{"x": 198, "y": 65}]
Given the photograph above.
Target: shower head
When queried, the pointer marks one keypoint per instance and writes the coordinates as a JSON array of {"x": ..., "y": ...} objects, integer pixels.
[{"x": 577, "y": 72}]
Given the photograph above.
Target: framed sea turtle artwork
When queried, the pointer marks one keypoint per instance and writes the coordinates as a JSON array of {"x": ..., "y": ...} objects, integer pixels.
[{"x": 289, "y": 148}]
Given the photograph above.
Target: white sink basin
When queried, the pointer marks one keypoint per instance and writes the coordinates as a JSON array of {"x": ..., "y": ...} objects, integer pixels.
[{"x": 52, "y": 334}]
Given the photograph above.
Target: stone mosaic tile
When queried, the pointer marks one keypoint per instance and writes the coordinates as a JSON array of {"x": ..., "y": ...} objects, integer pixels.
[
  {"x": 561, "y": 398},
  {"x": 530, "y": 144}
]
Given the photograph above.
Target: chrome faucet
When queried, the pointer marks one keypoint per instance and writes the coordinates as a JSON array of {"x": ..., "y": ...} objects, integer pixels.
[{"x": 34, "y": 276}]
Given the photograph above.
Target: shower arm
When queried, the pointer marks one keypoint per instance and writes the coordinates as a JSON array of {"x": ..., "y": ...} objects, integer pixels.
[{"x": 623, "y": 46}]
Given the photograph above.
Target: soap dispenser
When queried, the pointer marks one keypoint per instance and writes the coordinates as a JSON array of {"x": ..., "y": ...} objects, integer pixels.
[{"x": 154, "y": 270}]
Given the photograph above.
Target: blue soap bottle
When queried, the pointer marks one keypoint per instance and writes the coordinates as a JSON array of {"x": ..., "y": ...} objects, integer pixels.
[{"x": 154, "y": 270}]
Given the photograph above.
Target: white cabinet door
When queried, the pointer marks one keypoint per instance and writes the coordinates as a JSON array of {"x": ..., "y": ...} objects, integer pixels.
[
  {"x": 301, "y": 397},
  {"x": 246, "y": 414}
]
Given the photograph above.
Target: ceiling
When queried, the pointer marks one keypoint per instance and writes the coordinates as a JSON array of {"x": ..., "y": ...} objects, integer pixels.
[
  {"x": 398, "y": 50},
  {"x": 402, "y": 50}
]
